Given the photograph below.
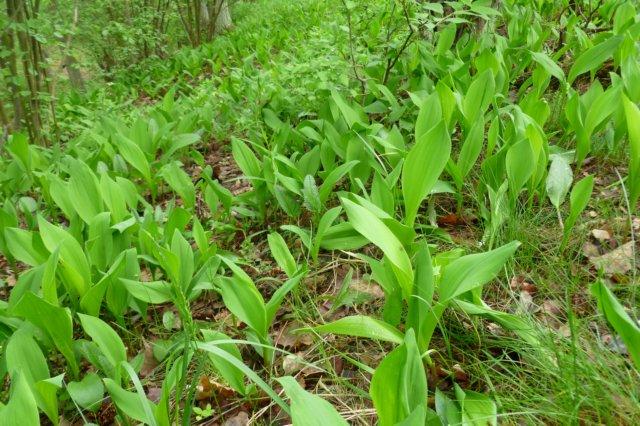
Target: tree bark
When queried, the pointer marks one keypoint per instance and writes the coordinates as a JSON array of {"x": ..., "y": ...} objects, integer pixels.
[
  {"x": 11, "y": 63},
  {"x": 69, "y": 62},
  {"x": 223, "y": 16}
]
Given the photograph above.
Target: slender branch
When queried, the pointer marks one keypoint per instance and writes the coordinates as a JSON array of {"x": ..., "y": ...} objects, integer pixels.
[
  {"x": 363, "y": 83},
  {"x": 391, "y": 62}
]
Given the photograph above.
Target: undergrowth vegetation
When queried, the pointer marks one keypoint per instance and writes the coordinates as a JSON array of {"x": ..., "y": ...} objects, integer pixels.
[{"x": 336, "y": 212}]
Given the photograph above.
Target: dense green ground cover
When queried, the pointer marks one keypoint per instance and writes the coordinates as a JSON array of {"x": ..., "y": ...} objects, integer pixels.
[{"x": 337, "y": 212}]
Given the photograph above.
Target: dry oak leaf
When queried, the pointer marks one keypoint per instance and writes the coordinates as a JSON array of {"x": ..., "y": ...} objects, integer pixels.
[{"x": 208, "y": 389}]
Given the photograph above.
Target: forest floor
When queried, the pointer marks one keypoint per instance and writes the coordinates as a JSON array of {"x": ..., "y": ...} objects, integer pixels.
[{"x": 271, "y": 94}]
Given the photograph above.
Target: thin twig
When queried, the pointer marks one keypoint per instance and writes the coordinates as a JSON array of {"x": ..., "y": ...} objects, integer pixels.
[
  {"x": 392, "y": 62},
  {"x": 363, "y": 83}
]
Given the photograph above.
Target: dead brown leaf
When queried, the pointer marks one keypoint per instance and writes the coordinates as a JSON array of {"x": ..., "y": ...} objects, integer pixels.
[
  {"x": 590, "y": 250},
  {"x": 551, "y": 314},
  {"x": 520, "y": 283},
  {"x": 240, "y": 419},
  {"x": 601, "y": 235},
  {"x": 459, "y": 373},
  {"x": 526, "y": 302},
  {"x": 208, "y": 388},
  {"x": 551, "y": 307},
  {"x": 146, "y": 275},
  {"x": 453, "y": 220},
  {"x": 295, "y": 363},
  {"x": 154, "y": 393},
  {"x": 149, "y": 362},
  {"x": 287, "y": 337},
  {"x": 616, "y": 262},
  {"x": 367, "y": 287},
  {"x": 11, "y": 281}
]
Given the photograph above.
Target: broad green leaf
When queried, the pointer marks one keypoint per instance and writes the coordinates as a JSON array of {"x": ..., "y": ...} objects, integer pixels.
[
  {"x": 311, "y": 194},
  {"x": 351, "y": 117},
  {"x": 448, "y": 411},
  {"x": 245, "y": 158},
  {"x": 99, "y": 244},
  {"x": 47, "y": 396},
  {"x": 476, "y": 408},
  {"x": 281, "y": 254},
  {"x": 618, "y": 318},
  {"x": 521, "y": 163},
  {"x": 471, "y": 147},
  {"x": 183, "y": 252},
  {"x": 632, "y": 114},
  {"x": 132, "y": 153},
  {"x": 231, "y": 373},
  {"x": 180, "y": 141},
  {"x": 303, "y": 234},
  {"x": 308, "y": 409},
  {"x": 548, "y": 64},
  {"x": 325, "y": 223},
  {"x": 21, "y": 410},
  {"x": 54, "y": 321},
  {"x": 213, "y": 348},
  {"x": 519, "y": 325},
  {"x": 22, "y": 353},
  {"x": 559, "y": 180},
  {"x": 180, "y": 182},
  {"x": 154, "y": 292},
  {"x": 26, "y": 246},
  {"x": 147, "y": 405},
  {"x": 72, "y": 258},
  {"x": 88, "y": 392},
  {"x": 446, "y": 35},
  {"x": 59, "y": 192},
  {"x": 242, "y": 298},
  {"x": 479, "y": 96},
  {"x": 106, "y": 338},
  {"x": 129, "y": 402},
  {"x": 579, "y": 198},
  {"x": 630, "y": 71},
  {"x": 422, "y": 167},
  {"x": 49, "y": 284},
  {"x": 594, "y": 57},
  {"x": 332, "y": 178},
  {"x": 92, "y": 300},
  {"x": 418, "y": 417},
  {"x": 342, "y": 236},
  {"x": 84, "y": 191},
  {"x": 113, "y": 197},
  {"x": 374, "y": 229},
  {"x": 362, "y": 326},
  {"x": 423, "y": 289},
  {"x": 399, "y": 384},
  {"x": 600, "y": 109},
  {"x": 474, "y": 270},
  {"x": 429, "y": 115},
  {"x": 278, "y": 296}
]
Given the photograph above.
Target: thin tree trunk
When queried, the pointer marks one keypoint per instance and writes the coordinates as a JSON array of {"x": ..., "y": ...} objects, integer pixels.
[
  {"x": 11, "y": 63},
  {"x": 69, "y": 62},
  {"x": 4, "y": 121},
  {"x": 30, "y": 73},
  {"x": 223, "y": 16}
]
